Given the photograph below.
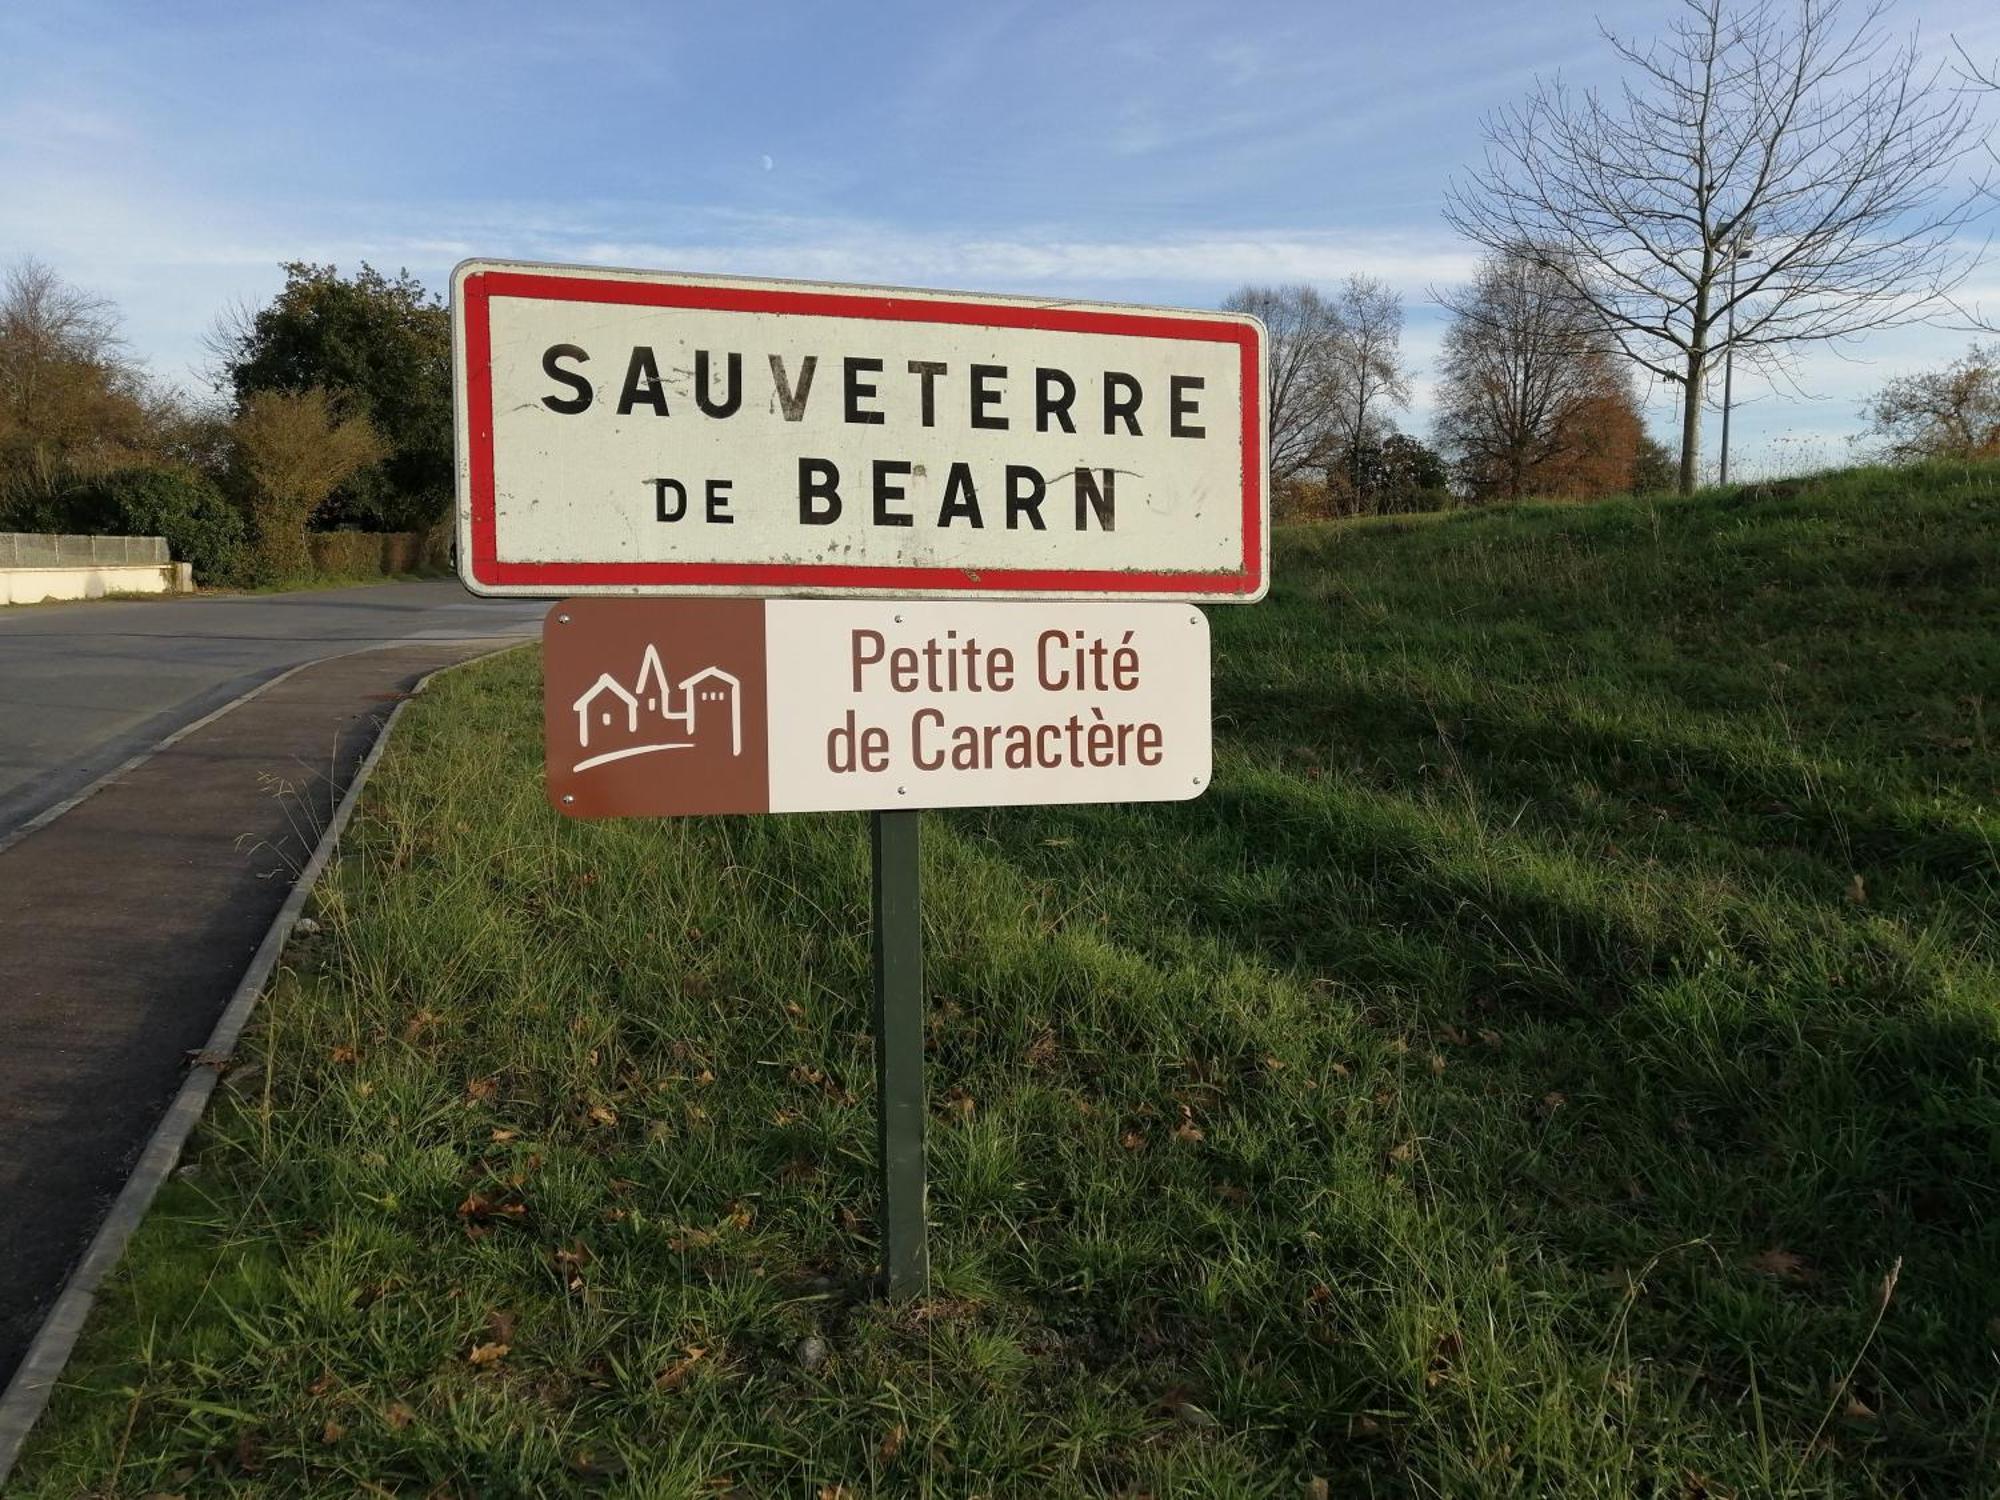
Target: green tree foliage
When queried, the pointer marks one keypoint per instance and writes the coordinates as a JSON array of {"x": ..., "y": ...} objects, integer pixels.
[
  {"x": 1656, "y": 470},
  {"x": 380, "y": 346},
  {"x": 292, "y": 451},
  {"x": 1389, "y": 475},
  {"x": 185, "y": 507}
]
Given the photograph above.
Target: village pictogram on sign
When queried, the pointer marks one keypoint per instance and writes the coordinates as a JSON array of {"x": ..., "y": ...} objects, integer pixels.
[
  {"x": 668, "y": 717},
  {"x": 655, "y": 714}
]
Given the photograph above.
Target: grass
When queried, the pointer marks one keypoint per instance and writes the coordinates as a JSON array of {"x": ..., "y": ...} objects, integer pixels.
[{"x": 1558, "y": 1057}]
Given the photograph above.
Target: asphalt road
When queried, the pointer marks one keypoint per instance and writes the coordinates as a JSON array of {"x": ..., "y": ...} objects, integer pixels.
[{"x": 84, "y": 687}]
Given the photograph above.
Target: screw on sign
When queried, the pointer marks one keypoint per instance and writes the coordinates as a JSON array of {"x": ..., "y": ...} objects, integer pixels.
[{"x": 980, "y": 494}]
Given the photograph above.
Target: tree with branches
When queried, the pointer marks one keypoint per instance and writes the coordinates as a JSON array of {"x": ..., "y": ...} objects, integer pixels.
[
  {"x": 70, "y": 396},
  {"x": 1772, "y": 173},
  {"x": 1301, "y": 375},
  {"x": 1534, "y": 399},
  {"x": 1368, "y": 375},
  {"x": 1948, "y": 413}
]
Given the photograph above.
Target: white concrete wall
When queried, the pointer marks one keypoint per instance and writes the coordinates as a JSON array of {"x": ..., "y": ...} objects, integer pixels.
[{"x": 33, "y": 585}]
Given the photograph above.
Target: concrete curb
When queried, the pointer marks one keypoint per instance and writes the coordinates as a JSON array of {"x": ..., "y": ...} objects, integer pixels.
[{"x": 27, "y": 1394}]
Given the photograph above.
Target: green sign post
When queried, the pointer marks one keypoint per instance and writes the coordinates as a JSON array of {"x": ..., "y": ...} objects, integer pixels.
[{"x": 899, "y": 1050}]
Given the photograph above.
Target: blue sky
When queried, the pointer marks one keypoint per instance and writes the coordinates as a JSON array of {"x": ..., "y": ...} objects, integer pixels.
[{"x": 171, "y": 155}]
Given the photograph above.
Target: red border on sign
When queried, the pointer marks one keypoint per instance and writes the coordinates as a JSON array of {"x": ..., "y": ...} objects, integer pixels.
[{"x": 480, "y": 287}]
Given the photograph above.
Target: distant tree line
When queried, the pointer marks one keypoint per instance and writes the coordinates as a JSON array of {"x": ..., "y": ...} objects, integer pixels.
[
  {"x": 331, "y": 408},
  {"x": 1534, "y": 398}
]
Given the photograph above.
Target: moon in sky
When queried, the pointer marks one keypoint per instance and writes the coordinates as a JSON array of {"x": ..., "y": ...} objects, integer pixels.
[{"x": 768, "y": 163}]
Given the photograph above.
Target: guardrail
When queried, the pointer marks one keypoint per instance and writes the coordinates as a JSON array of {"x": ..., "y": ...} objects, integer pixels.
[{"x": 28, "y": 549}]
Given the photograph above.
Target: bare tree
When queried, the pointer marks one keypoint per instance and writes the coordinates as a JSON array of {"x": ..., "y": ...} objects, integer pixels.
[
  {"x": 1368, "y": 372},
  {"x": 1302, "y": 388},
  {"x": 1533, "y": 387},
  {"x": 1785, "y": 140},
  {"x": 1982, "y": 77}
]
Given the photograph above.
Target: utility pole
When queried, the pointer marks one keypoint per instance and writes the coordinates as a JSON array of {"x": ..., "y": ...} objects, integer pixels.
[{"x": 1739, "y": 242}]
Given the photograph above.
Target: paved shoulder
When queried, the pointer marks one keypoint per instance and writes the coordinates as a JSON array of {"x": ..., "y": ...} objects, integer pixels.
[{"x": 125, "y": 925}]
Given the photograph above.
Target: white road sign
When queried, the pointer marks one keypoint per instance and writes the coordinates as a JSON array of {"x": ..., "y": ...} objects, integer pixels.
[{"x": 639, "y": 433}]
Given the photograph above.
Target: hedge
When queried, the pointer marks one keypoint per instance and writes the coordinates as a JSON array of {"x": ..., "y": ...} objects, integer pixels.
[{"x": 364, "y": 554}]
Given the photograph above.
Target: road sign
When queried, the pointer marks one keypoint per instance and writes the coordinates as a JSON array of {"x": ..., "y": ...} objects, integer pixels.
[
  {"x": 638, "y": 433},
  {"x": 662, "y": 707}
]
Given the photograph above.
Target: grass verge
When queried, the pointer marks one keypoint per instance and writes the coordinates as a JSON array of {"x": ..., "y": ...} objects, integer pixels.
[{"x": 1523, "y": 1074}]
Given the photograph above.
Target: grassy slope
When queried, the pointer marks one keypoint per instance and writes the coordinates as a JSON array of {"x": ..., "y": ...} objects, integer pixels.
[{"x": 1516, "y": 1077}]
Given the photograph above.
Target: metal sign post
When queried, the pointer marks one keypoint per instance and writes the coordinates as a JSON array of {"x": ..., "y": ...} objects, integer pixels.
[{"x": 899, "y": 1050}]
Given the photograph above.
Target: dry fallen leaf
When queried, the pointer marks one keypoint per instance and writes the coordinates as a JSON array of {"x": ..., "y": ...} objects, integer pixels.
[
  {"x": 675, "y": 1375},
  {"x": 1437, "y": 1063},
  {"x": 892, "y": 1443},
  {"x": 501, "y": 1137},
  {"x": 602, "y": 1114},
  {"x": 487, "y": 1354},
  {"x": 332, "y": 1432},
  {"x": 1132, "y": 1140},
  {"x": 399, "y": 1415},
  {"x": 343, "y": 1054},
  {"x": 1780, "y": 1263}
]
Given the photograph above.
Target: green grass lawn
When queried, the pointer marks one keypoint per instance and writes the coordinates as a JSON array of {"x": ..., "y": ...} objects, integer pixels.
[{"x": 1520, "y": 1075}]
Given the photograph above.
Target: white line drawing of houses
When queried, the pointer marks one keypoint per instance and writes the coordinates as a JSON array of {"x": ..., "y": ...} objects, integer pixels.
[
  {"x": 652, "y": 694},
  {"x": 587, "y": 705}
]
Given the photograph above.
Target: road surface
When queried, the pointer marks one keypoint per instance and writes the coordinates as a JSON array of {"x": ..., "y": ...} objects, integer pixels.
[
  {"x": 84, "y": 687},
  {"x": 127, "y": 920}
]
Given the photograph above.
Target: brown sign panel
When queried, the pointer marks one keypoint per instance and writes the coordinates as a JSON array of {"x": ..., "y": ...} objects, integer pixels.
[
  {"x": 655, "y": 717},
  {"x": 663, "y": 707}
]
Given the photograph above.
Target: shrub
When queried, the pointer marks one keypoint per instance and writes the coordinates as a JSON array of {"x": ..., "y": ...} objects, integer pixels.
[
  {"x": 201, "y": 527},
  {"x": 365, "y": 554},
  {"x": 292, "y": 450}
]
